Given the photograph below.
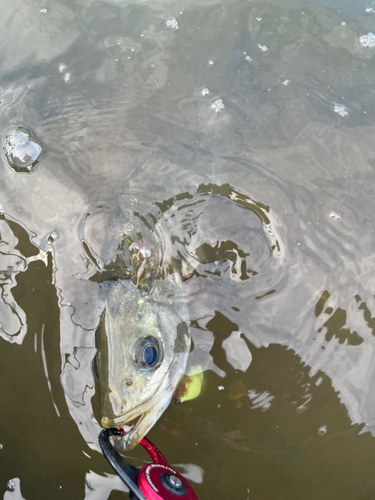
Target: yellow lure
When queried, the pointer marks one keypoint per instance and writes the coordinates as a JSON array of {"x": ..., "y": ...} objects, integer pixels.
[{"x": 190, "y": 386}]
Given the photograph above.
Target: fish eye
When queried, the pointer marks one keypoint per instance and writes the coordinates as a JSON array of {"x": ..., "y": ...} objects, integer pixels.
[{"x": 146, "y": 352}]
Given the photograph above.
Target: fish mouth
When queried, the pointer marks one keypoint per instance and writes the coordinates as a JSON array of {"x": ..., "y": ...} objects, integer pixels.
[
  {"x": 137, "y": 414},
  {"x": 130, "y": 425},
  {"x": 120, "y": 423},
  {"x": 136, "y": 423},
  {"x": 130, "y": 429}
]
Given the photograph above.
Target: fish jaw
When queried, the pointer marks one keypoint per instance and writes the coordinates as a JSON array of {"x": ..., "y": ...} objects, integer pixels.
[
  {"x": 145, "y": 415},
  {"x": 139, "y": 426}
]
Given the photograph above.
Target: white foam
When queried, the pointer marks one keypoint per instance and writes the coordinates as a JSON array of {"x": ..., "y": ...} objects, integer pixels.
[
  {"x": 173, "y": 23},
  {"x": 367, "y": 40},
  {"x": 218, "y": 105},
  {"x": 335, "y": 215},
  {"x": 341, "y": 110}
]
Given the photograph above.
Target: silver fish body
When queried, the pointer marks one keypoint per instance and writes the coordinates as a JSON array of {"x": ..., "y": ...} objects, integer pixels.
[{"x": 143, "y": 343}]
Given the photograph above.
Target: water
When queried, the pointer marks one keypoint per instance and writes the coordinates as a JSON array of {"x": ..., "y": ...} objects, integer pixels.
[{"x": 268, "y": 204}]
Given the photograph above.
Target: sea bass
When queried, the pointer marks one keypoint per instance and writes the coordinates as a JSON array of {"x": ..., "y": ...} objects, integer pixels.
[{"x": 142, "y": 343}]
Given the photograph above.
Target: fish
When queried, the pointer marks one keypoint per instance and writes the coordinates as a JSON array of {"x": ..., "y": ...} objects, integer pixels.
[{"x": 142, "y": 343}]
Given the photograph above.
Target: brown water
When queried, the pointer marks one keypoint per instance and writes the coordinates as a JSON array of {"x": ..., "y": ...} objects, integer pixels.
[{"x": 265, "y": 185}]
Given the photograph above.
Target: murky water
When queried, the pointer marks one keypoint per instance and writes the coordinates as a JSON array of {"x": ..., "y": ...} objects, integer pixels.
[{"x": 240, "y": 134}]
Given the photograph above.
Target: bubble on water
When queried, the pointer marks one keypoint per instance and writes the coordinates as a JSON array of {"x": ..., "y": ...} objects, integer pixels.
[
  {"x": 221, "y": 388},
  {"x": 145, "y": 252},
  {"x": 263, "y": 48},
  {"x": 369, "y": 10},
  {"x": 22, "y": 150},
  {"x": 62, "y": 67},
  {"x": 286, "y": 82},
  {"x": 334, "y": 215},
  {"x": 343, "y": 23},
  {"x": 52, "y": 237},
  {"x": 341, "y": 110},
  {"x": 173, "y": 23},
  {"x": 43, "y": 11},
  {"x": 258, "y": 19},
  {"x": 218, "y": 105},
  {"x": 206, "y": 92},
  {"x": 11, "y": 485},
  {"x": 211, "y": 62},
  {"x": 322, "y": 430},
  {"x": 248, "y": 59},
  {"x": 367, "y": 40},
  {"x": 67, "y": 77},
  {"x": 1, "y": 446}
]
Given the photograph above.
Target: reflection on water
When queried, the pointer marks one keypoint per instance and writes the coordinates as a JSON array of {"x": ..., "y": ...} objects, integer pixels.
[
  {"x": 16, "y": 253},
  {"x": 237, "y": 138},
  {"x": 13, "y": 490}
]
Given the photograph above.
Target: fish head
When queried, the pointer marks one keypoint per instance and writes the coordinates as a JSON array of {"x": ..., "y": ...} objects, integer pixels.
[{"x": 142, "y": 349}]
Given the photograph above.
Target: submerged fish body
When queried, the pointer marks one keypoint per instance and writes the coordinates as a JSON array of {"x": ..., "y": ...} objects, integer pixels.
[{"x": 143, "y": 343}]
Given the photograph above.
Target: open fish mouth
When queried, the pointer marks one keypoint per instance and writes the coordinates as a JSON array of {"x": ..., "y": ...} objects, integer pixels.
[
  {"x": 136, "y": 423},
  {"x": 119, "y": 423},
  {"x": 130, "y": 425},
  {"x": 131, "y": 429}
]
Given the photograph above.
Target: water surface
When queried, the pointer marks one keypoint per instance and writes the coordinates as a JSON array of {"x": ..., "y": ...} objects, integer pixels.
[{"x": 240, "y": 134}]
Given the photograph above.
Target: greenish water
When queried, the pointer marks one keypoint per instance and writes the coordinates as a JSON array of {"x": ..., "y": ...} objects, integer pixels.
[{"x": 263, "y": 184}]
